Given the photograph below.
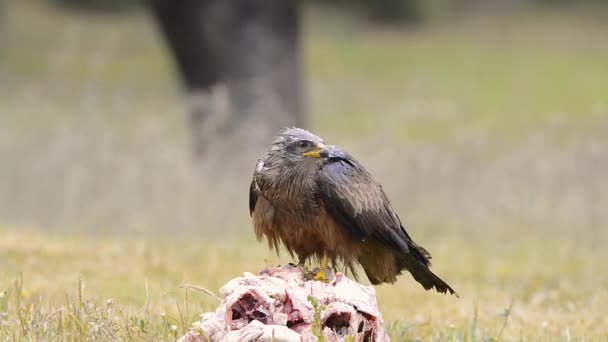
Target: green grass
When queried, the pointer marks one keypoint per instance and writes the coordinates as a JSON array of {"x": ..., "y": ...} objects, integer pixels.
[
  {"x": 71, "y": 288},
  {"x": 506, "y": 76}
]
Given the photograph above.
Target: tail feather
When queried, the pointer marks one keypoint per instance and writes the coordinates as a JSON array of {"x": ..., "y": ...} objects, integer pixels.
[
  {"x": 426, "y": 277},
  {"x": 417, "y": 262},
  {"x": 383, "y": 265}
]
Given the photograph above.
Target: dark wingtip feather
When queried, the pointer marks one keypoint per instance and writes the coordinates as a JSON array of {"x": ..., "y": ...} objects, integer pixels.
[
  {"x": 423, "y": 275},
  {"x": 442, "y": 287},
  {"x": 445, "y": 288},
  {"x": 438, "y": 284}
]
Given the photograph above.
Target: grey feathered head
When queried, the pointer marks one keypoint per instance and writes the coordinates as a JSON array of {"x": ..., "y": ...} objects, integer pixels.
[{"x": 296, "y": 144}]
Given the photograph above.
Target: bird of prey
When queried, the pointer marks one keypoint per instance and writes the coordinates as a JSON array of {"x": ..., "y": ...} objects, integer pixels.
[{"x": 321, "y": 203}]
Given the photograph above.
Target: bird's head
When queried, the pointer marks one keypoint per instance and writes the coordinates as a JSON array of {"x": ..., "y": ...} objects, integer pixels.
[{"x": 296, "y": 145}]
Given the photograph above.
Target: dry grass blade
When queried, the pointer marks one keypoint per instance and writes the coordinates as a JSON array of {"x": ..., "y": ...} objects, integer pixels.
[{"x": 200, "y": 289}]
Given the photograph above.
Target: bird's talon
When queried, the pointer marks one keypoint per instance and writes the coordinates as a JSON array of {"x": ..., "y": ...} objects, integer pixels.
[
  {"x": 321, "y": 276},
  {"x": 308, "y": 274},
  {"x": 316, "y": 275}
]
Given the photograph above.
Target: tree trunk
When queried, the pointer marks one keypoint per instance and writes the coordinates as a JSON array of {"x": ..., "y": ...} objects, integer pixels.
[{"x": 239, "y": 61}]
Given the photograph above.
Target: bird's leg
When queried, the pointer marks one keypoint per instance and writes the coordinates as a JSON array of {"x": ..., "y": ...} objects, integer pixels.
[
  {"x": 302, "y": 260},
  {"x": 302, "y": 263},
  {"x": 321, "y": 274}
]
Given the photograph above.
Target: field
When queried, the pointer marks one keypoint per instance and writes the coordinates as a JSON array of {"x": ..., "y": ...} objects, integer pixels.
[
  {"x": 488, "y": 133},
  {"x": 129, "y": 288}
]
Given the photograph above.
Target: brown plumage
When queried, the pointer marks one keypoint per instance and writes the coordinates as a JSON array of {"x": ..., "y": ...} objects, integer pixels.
[{"x": 318, "y": 201}]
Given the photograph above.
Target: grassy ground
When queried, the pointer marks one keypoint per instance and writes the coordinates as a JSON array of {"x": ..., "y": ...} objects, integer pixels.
[
  {"x": 528, "y": 290},
  {"x": 488, "y": 134}
]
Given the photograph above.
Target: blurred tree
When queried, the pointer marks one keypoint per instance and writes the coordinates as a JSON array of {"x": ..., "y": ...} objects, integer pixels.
[{"x": 239, "y": 60}]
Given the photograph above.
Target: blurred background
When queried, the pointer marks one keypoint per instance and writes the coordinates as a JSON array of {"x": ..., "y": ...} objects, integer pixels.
[
  {"x": 474, "y": 115},
  {"x": 486, "y": 122}
]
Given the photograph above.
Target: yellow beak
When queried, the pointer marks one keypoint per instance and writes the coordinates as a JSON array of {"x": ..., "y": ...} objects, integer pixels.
[{"x": 316, "y": 153}]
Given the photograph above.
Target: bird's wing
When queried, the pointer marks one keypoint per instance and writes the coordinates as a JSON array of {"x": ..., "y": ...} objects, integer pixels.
[
  {"x": 254, "y": 189},
  {"x": 358, "y": 203},
  {"x": 253, "y": 196}
]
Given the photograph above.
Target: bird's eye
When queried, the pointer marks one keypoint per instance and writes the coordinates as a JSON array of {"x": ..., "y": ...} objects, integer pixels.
[{"x": 303, "y": 144}]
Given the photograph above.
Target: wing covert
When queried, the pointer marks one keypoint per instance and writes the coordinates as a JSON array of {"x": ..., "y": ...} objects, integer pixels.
[{"x": 358, "y": 203}]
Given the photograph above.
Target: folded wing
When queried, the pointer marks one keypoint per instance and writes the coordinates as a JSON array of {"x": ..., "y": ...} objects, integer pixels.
[{"x": 358, "y": 204}]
